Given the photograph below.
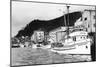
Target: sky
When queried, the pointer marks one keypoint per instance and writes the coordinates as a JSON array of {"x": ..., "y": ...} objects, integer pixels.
[{"x": 24, "y": 12}]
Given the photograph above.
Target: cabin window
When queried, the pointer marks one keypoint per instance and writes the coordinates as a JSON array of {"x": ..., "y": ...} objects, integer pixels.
[
  {"x": 86, "y": 47},
  {"x": 88, "y": 26},
  {"x": 85, "y": 19},
  {"x": 74, "y": 38},
  {"x": 87, "y": 36},
  {"x": 84, "y": 37}
]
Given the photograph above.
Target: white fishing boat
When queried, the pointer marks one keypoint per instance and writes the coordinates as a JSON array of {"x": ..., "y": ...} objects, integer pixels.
[{"x": 77, "y": 43}]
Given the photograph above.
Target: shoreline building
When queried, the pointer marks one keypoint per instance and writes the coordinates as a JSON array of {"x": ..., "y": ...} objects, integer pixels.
[
  {"x": 88, "y": 20},
  {"x": 38, "y": 36}
]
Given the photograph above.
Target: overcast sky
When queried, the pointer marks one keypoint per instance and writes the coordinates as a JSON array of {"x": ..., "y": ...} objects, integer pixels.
[{"x": 25, "y": 12}]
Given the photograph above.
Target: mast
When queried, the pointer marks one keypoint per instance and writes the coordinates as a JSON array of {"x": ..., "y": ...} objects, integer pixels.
[
  {"x": 65, "y": 19},
  {"x": 68, "y": 20},
  {"x": 66, "y": 25}
]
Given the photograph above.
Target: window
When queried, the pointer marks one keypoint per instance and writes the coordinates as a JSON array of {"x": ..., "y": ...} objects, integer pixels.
[
  {"x": 74, "y": 38},
  {"x": 87, "y": 47},
  {"x": 85, "y": 19},
  {"x": 88, "y": 25},
  {"x": 94, "y": 24},
  {"x": 84, "y": 37},
  {"x": 94, "y": 17}
]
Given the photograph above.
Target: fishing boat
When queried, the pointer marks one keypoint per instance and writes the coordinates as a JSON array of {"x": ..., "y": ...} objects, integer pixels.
[
  {"x": 78, "y": 43},
  {"x": 75, "y": 42}
]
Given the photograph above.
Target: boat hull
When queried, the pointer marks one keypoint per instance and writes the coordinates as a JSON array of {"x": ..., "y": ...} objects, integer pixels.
[{"x": 83, "y": 48}]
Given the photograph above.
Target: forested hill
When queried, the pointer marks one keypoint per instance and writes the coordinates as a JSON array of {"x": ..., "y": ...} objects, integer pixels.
[{"x": 48, "y": 25}]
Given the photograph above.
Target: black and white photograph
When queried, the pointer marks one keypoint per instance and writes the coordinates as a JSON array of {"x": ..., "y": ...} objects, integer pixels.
[{"x": 44, "y": 33}]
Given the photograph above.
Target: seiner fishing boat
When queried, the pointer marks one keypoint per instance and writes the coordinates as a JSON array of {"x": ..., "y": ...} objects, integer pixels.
[{"x": 78, "y": 43}]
